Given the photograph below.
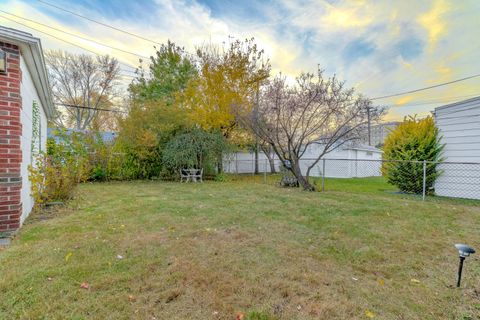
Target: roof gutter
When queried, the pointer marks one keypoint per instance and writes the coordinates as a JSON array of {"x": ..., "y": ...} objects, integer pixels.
[{"x": 31, "y": 49}]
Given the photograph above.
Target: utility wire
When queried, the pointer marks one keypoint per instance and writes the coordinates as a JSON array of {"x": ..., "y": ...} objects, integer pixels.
[
  {"x": 426, "y": 88},
  {"x": 435, "y": 101},
  {"x": 78, "y": 36},
  {"x": 60, "y": 39},
  {"x": 100, "y": 23},
  {"x": 112, "y": 27},
  {"x": 89, "y": 108},
  {"x": 127, "y": 73}
]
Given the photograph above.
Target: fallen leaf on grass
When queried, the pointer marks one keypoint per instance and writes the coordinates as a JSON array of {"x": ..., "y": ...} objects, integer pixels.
[
  {"x": 369, "y": 314},
  {"x": 68, "y": 256},
  {"x": 240, "y": 316},
  {"x": 415, "y": 281},
  {"x": 131, "y": 298},
  {"x": 381, "y": 282},
  {"x": 85, "y": 285}
]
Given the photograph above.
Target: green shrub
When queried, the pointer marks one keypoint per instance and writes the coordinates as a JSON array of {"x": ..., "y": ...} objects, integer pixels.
[
  {"x": 407, "y": 146},
  {"x": 194, "y": 148},
  {"x": 221, "y": 177},
  {"x": 143, "y": 136},
  {"x": 54, "y": 174}
]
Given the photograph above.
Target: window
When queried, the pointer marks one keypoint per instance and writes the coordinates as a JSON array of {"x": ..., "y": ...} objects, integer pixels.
[{"x": 3, "y": 61}]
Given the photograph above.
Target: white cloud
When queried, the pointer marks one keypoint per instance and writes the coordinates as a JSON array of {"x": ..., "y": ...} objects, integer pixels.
[{"x": 299, "y": 35}]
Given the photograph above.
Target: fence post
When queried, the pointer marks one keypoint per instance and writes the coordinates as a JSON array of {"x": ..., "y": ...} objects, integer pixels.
[
  {"x": 323, "y": 175},
  {"x": 424, "y": 179}
]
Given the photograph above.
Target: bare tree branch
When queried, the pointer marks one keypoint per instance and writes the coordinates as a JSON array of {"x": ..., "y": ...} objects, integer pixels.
[
  {"x": 316, "y": 110},
  {"x": 81, "y": 80}
]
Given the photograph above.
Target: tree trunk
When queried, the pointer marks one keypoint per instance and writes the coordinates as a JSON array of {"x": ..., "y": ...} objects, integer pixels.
[
  {"x": 268, "y": 154},
  {"x": 272, "y": 164},
  {"x": 303, "y": 181},
  {"x": 220, "y": 164},
  {"x": 271, "y": 161}
]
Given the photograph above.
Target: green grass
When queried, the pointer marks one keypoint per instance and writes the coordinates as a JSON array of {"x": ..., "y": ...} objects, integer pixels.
[{"x": 212, "y": 250}]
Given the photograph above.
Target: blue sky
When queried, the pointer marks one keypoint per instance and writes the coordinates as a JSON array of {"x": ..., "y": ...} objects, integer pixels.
[{"x": 378, "y": 47}]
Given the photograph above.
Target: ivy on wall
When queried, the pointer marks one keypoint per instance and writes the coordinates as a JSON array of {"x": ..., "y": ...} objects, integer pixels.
[{"x": 36, "y": 143}]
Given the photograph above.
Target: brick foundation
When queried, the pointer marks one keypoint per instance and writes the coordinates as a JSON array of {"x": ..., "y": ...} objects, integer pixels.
[{"x": 10, "y": 141}]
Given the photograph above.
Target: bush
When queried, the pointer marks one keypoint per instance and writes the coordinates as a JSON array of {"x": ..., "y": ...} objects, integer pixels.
[
  {"x": 143, "y": 136},
  {"x": 413, "y": 140},
  {"x": 194, "y": 148},
  {"x": 55, "y": 174}
]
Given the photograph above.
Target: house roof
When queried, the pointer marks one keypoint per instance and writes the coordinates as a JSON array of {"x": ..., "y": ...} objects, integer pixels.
[
  {"x": 457, "y": 103},
  {"x": 105, "y": 136},
  {"x": 32, "y": 52}
]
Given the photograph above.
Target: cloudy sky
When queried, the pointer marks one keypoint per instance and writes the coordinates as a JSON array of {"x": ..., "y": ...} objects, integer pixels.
[{"x": 380, "y": 47}]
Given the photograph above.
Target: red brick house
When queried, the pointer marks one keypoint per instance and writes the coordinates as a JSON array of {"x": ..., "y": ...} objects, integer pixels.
[{"x": 25, "y": 107}]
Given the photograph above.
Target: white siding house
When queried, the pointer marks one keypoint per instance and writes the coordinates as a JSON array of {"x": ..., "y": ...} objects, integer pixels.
[
  {"x": 344, "y": 162},
  {"x": 25, "y": 106},
  {"x": 459, "y": 126}
]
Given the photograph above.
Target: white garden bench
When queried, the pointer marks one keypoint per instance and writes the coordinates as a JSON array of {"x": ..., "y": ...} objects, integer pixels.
[{"x": 191, "y": 175}]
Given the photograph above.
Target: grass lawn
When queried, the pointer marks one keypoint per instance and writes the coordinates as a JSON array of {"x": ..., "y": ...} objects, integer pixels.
[{"x": 212, "y": 250}]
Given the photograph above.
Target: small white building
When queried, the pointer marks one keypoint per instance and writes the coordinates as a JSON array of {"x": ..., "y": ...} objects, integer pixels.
[
  {"x": 459, "y": 126},
  {"x": 25, "y": 106},
  {"x": 343, "y": 162},
  {"x": 347, "y": 161}
]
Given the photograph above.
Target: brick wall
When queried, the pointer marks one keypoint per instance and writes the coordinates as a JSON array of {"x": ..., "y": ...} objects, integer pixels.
[{"x": 10, "y": 136}]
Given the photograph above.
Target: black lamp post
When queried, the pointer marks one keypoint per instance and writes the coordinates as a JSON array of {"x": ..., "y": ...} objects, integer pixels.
[{"x": 463, "y": 252}]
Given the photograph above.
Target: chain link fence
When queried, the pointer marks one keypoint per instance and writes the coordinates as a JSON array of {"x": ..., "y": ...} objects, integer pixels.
[{"x": 421, "y": 178}]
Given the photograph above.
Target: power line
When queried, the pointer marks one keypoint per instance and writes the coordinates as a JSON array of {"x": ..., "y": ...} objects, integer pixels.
[
  {"x": 78, "y": 36},
  {"x": 435, "y": 101},
  {"x": 426, "y": 88},
  {"x": 126, "y": 73},
  {"x": 89, "y": 108},
  {"x": 100, "y": 23},
  {"x": 112, "y": 27},
  {"x": 63, "y": 40}
]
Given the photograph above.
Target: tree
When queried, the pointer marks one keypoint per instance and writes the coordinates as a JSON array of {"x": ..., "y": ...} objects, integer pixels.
[
  {"x": 405, "y": 148},
  {"x": 82, "y": 84},
  {"x": 268, "y": 151},
  {"x": 169, "y": 72},
  {"x": 107, "y": 120},
  {"x": 194, "y": 148},
  {"x": 315, "y": 110},
  {"x": 226, "y": 83},
  {"x": 144, "y": 133}
]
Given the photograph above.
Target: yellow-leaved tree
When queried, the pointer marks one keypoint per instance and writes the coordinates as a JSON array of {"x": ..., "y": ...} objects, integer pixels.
[{"x": 227, "y": 83}]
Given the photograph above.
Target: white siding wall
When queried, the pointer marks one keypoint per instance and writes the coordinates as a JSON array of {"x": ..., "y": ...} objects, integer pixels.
[
  {"x": 459, "y": 127},
  {"x": 29, "y": 94},
  {"x": 335, "y": 167},
  {"x": 344, "y": 163}
]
